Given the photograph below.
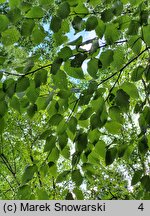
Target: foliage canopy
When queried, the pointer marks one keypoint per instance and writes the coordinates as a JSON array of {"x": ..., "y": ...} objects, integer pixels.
[{"x": 74, "y": 99}]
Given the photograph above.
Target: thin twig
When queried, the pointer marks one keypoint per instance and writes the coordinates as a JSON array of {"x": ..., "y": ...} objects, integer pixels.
[{"x": 22, "y": 75}]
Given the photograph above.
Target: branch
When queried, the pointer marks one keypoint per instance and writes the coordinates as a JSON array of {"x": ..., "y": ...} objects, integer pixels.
[
  {"x": 7, "y": 164},
  {"x": 76, "y": 102},
  {"x": 121, "y": 70},
  {"x": 34, "y": 71},
  {"x": 22, "y": 75},
  {"x": 7, "y": 182}
]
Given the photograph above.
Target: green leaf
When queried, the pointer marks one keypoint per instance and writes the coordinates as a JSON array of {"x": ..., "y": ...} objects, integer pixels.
[
  {"x": 32, "y": 94},
  {"x": 63, "y": 10},
  {"x": 113, "y": 127},
  {"x": 55, "y": 119},
  {"x": 56, "y": 65},
  {"x": 117, "y": 8},
  {"x": 122, "y": 100},
  {"x": 91, "y": 23},
  {"x": 77, "y": 177},
  {"x": 81, "y": 142},
  {"x": 63, "y": 138},
  {"x": 133, "y": 27},
  {"x": 94, "y": 135},
  {"x": 106, "y": 58},
  {"x": 144, "y": 17},
  {"x": 81, "y": 9},
  {"x": 135, "y": 2},
  {"x": 100, "y": 148},
  {"x": 50, "y": 143},
  {"x": 135, "y": 43},
  {"x": 66, "y": 152},
  {"x": 115, "y": 114},
  {"x": 146, "y": 114},
  {"x": 60, "y": 80},
  {"x": 62, "y": 126},
  {"x": 111, "y": 154},
  {"x": 72, "y": 71},
  {"x": 78, "y": 193},
  {"x": 3, "y": 108},
  {"x": 86, "y": 113},
  {"x": 137, "y": 73},
  {"x": 118, "y": 58},
  {"x": 76, "y": 42},
  {"x": 32, "y": 110},
  {"x": 24, "y": 192},
  {"x": 78, "y": 60},
  {"x": 111, "y": 38},
  {"x": 38, "y": 34},
  {"x": 95, "y": 121},
  {"x": 122, "y": 149},
  {"x": 14, "y": 3},
  {"x": 40, "y": 78},
  {"x": 130, "y": 89},
  {"x": 92, "y": 67},
  {"x": 143, "y": 145},
  {"x": 72, "y": 124},
  {"x": 2, "y": 125},
  {"x": 42, "y": 194},
  {"x": 9, "y": 86},
  {"x": 10, "y": 36},
  {"x": 65, "y": 53},
  {"x": 45, "y": 134},
  {"x": 4, "y": 22},
  {"x": 15, "y": 103},
  {"x": 107, "y": 15},
  {"x": 62, "y": 176},
  {"x": 27, "y": 27},
  {"x": 14, "y": 15},
  {"x": 77, "y": 23},
  {"x": 136, "y": 177},
  {"x": 147, "y": 73},
  {"x": 29, "y": 173},
  {"x": 60, "y": 38},
  {"x": 35, "y": 12},
  {"x": 55, "y": 24},
  {"x": 22, "y": 84},
  {"x": 75, "y": 158},
  {"x": 69, "y": 196},
  {"x": 28, "y": 66},
  {"x": 145, "y": 181},
  {"x": 146, "y": 30},
  {"x": 100, "y": 29},
  {"x": 53, "y": 157}
]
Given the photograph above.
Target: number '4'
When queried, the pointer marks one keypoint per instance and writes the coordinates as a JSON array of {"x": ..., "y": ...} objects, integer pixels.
[{"x": 141, "y": 207}]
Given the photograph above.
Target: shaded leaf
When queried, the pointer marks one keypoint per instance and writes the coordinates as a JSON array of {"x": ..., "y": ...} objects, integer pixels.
[
  {"x": 63, "y": 10},
  {"x": 62, "y": 176},
  {"x": 55, "y": 24},
  {"x": 93, "y": 66},
  {"x": 22, "y": 84},
  {"x": 77, "y": 177},
  {"x": 136, "y": 177},
  {"x": 10, "y": 36},
  {"x": 91, "y": 23},
  {"x": 35, "y": 12},
  {"x": 145, "y": 181},
  {"x": 29, "y": 173},
  {"x": 111, "y": 154},
  {"x": 86, "y": 113},
  {"x": 50, "y": 143}
]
